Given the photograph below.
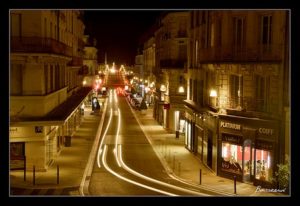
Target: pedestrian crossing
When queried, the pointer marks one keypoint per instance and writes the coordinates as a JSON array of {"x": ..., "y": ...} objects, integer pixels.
[{"x": 74, "y": 191}]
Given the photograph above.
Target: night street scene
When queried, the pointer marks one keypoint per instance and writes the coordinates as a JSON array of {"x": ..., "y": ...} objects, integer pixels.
[{"x": 149, "y": 103}]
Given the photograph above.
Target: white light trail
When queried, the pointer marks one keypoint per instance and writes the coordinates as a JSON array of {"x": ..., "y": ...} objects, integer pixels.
[
  {"x": 129, "y": 180},
  {"x": 117, "y": 138},
  {"x": 110, "y": 96},
  {"x": 154, "y": 180},
  {"x": 101, "y": 143},
  {"x": 115, "y": 95}
]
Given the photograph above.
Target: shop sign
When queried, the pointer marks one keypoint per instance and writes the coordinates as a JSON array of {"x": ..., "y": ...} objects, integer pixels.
[
  {"x": 266, "y": 131},
  {"x": 232, "y": 139},
  {"x": 264, "y": 145},
  {"x": 230, "y": 125}
]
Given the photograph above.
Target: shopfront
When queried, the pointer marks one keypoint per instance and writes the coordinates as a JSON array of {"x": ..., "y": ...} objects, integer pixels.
[
  {"x": 201, "y": 136},
  {"x": 247, "y": 149}
]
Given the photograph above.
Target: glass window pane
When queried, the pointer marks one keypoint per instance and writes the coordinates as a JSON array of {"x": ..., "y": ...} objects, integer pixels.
[{"x": 264, "y": 169}]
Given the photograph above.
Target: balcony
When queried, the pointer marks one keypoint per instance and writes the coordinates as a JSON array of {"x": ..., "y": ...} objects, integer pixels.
[
  {"x": 246, "y": 106},
  {"x": 76, "y": 61},
  {"x": 39, "y": 45},
  {"x": 172, "y": 63},
  {"x": 257, "y": 53}
]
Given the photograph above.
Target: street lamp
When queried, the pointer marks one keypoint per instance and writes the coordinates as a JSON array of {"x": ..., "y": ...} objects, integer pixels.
[
  {"x": 213, "y": 95},
  {"x": 181, "y": 89}
]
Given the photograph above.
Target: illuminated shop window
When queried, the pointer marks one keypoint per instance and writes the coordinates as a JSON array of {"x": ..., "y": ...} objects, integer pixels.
[
  {"x": 232, "y": 157},
  {"x": 264, "y": 165}
]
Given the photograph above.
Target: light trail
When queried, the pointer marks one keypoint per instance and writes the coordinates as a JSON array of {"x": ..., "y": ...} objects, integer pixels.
[
  {"x": 129, "y": 180},
  {"x": 101, "y": 143},
  {"x": 117, "y": 138},
  {"x": 172, "y": 176},
  {"x": 154, "y": 180}
]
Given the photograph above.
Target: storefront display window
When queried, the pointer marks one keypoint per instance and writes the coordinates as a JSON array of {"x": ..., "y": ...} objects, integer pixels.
[
  {"x": 264, "y": 165},
  {"x": 232, "y": 158}
]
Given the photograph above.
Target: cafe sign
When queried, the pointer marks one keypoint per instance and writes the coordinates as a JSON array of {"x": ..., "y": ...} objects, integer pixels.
[{"x": 230, "y": 125}]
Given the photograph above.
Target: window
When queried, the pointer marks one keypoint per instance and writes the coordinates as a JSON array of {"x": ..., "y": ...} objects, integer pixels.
[
  {"x": 261, "y": 92},
  {"x": 16, "y": 25},
  {"x": 200, "y": 93},
  {"x": 239, "y": 32},
  {"x": 192, "y": 19},
  {"x": 45, "y": 28},
  {"x": 191, "y": 89},
  {"x": 219, "y": 33},
  {"x": 196, "y": 53},
  {"x": 264, "y": 170},
  {"x": 195, "y": 90},
  {"x": 46, "y": 78},
  {"x": 197, "y": 18},
  {"x": 57, "y": 77},
  {"x": 236, "y": 91},
  {"x": 51, "y": 78},
  {"x": 266, "y": 30},
  {"x": 16, "y": 79},
  {"x": 182, "y": 53},
  {"x": 232, "y": 157}
]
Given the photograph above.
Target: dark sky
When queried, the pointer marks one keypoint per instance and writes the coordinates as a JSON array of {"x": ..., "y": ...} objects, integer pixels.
[{"x": 118, "y": 32}]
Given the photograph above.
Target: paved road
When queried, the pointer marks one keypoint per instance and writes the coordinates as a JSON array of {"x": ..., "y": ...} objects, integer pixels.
[{"x": 127, "y": 164}]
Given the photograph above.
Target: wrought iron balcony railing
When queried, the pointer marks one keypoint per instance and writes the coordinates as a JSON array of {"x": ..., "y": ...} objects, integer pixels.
[
  {"x": 39, "y": 45},
  {"x": 245, "y": 104},
  {"x": 234, "y": 53}
]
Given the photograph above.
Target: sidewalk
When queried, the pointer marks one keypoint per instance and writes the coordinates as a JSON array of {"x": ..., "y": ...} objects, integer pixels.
[
  {"x": 184, "y": 165},
  {"x": 72, "y": 160}
]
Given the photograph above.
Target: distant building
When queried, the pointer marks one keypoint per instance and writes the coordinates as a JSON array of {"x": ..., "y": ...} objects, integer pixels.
[
  {"x": 46, "y": 51},
  {"x": 90, "y": 59},
  {"x": 171, "y": 39}
]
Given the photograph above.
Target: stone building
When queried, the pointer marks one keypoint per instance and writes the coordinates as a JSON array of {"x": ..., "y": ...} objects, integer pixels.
[
  {"x": 170, "y": 62},
  {"x": 238, "y": 74},
  {"x": 46, "y": 50}
]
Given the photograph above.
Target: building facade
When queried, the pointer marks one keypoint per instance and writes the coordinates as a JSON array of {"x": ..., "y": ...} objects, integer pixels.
[
  {"x": 238, "y": 68},
  {"x": 170, "y": 62},
  {"x": 46, "y": 49}
]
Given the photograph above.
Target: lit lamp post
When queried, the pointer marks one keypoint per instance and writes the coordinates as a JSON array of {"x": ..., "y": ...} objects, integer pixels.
[
  {"x": 213, "y": 96},
  {"x": 181, "y": 89}
]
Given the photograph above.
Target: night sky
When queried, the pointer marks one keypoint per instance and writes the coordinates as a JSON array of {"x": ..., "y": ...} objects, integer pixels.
[{"x": 118, "y": 32}]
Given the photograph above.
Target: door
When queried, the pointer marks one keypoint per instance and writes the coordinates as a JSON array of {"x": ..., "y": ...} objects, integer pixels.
[
  {"x": 209, "y": 149},
  {"x": 247, "y": 161}
]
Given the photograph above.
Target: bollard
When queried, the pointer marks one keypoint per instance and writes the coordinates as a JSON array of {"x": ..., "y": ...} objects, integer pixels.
[
  {"x": 33, "y": 178},
  {"x": 57, "y": 172},
  {"x": 234, "y": 184},
  {"x": 200, "y": 177}
]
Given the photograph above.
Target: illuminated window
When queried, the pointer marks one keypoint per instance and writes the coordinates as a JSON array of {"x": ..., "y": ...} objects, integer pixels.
[
  {"x": 232, "y": 157},
  {"x": 264, "y": 165}
]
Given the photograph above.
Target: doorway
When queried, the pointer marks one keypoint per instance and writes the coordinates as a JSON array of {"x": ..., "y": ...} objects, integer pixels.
[
  {"x": 248, "y": 156},
  {"x": 209, "y": 148}
]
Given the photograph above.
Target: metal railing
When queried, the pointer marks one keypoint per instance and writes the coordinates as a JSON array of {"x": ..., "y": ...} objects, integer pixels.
[
  {"x": 255, "y": 53},
  {"x": 245, "y": 103},
  {"x": 39, "y": 45}
]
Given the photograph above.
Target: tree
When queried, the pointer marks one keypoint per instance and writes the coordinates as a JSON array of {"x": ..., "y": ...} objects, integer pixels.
[{"x": 283, "y": 174}]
